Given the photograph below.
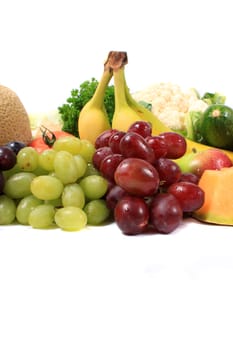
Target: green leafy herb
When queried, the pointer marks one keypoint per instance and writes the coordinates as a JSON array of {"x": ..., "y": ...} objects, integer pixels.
[{"x": 70, "y": 110}]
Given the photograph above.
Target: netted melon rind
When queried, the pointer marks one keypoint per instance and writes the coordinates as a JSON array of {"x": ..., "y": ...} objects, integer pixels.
[{"x": 14, "y": 119}]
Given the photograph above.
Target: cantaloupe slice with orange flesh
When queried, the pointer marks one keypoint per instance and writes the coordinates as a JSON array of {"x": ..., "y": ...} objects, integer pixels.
[{"x": 218, "y": 203}]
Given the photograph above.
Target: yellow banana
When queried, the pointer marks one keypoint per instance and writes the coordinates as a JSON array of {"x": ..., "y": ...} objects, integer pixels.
[
  {"x": 93, "y": 119},
  {"x": 123, "y": 115}
]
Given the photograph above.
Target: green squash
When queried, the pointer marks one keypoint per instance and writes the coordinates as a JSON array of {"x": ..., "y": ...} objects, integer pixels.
[{"x": 217, "y": 126}]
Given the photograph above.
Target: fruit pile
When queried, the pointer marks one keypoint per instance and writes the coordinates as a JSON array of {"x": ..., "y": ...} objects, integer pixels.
[
  {"x": 131, "y": 171},
  {"x": 147, "y": 190},
  {"x": 57, "y": 187},
  {"x": 130, "y": 176}
]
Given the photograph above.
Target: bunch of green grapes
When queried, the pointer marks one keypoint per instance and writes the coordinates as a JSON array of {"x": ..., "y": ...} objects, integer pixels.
[{"x": 58, "y": 187}]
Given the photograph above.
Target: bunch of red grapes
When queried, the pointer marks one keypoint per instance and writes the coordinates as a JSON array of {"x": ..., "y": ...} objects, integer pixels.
[{"x": 147, "y": 190}]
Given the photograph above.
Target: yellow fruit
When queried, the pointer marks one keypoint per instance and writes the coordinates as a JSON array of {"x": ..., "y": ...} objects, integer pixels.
[
  {"x": 14, "y": 120},
  {"x": 124, "y": 116},
  {"x": 93, "y": 119}
]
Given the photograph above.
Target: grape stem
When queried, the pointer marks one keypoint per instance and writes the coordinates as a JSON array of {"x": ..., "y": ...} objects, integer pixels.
[{"x": 48, "y": 136}]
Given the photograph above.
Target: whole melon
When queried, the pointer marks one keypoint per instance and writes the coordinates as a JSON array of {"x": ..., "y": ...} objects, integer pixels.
[{"x": 14, "y": 119}]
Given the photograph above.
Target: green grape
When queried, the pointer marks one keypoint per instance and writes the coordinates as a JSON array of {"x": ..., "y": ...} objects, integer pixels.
[
  {"x": 46, "y": 187},
  {"x": 70, "y": 218},
  {"x": 40, "y": 171},
  {"x": 18, "y": 185},
  {"x": 57, "y": 202},
  {"x": 81, "y": 164},
  {"x": 97, "y": 211},
  {"x": 65, "y": 167},
  {"x": 91, "y": 170},
  {"x": 94, "y": 186},
  {"x": 7, "y": 210},
  {"x": 87, "y": 150},
  {"x": 52, "y": 173},
  {"x": 70, "y": 144},
  {"x": 27, "y": 159},
  {"x": 42, "y": 216},
  {"x": 46, "y": 159},
  {"x": 8, "y": 173},
  {"x": 73, "y": 195},
  {"x": 24, "y": 208}
]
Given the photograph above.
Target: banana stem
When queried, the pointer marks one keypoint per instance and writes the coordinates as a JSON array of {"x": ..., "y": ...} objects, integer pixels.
[{"x": 116, "y": 61}]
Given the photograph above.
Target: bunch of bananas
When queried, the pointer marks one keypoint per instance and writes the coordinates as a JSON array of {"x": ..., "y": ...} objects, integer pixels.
[{"x": 93, "y": 117}]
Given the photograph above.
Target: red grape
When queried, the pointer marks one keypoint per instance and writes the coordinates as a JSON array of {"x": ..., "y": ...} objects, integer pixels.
[
  {"x": 114, "y": 141},
  {"x": 134, "y": 145},
  {"x": 176, "y": 144},
  {"x": 137, "y": 176},
  {"x": 169, "y": 171},
  {"x": 141, "y": 127},
  {"x": 131, "y": 215},
  {"x": 190, "y": 177},
  {"x": 165, "y": 213},
  {"x": 109, "y": 165},
  {"x": 158, "y": 145},
  {"x": 103, "y": 138},
  {"x": 189, "y": 195},
  {"x": 99, "y": 155},
  {"x": 114, "y": 195}
]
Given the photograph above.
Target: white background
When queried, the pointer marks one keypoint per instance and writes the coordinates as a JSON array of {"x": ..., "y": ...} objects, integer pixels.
[
  {"x": 48, "y": 48},
  {"x": 98, "y": 289}
]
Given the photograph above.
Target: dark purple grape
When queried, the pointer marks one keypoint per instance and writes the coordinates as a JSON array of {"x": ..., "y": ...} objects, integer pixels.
[
  {"x": 165, "y": 213},
  {"x": 2, "y": 182},
  {"x": 141, "y": 127},
  {"x": 7, "y": 158},
  {"x": 169, "y": 171},
  {"x": 131, "y": 214},
  {"x": 15, "y": 146},
  {"x": 189, "y": 195},
  {"x": 176, "y": 144}
]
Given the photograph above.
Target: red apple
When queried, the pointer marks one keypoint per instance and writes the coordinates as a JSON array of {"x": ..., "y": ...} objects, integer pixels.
[{"x": 210, "y": 159}]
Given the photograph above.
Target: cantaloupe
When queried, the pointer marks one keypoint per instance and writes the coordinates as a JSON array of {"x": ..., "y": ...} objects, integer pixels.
[
  {"x": 14, "y": 119},
  {"x": 218, "y": 203}
]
